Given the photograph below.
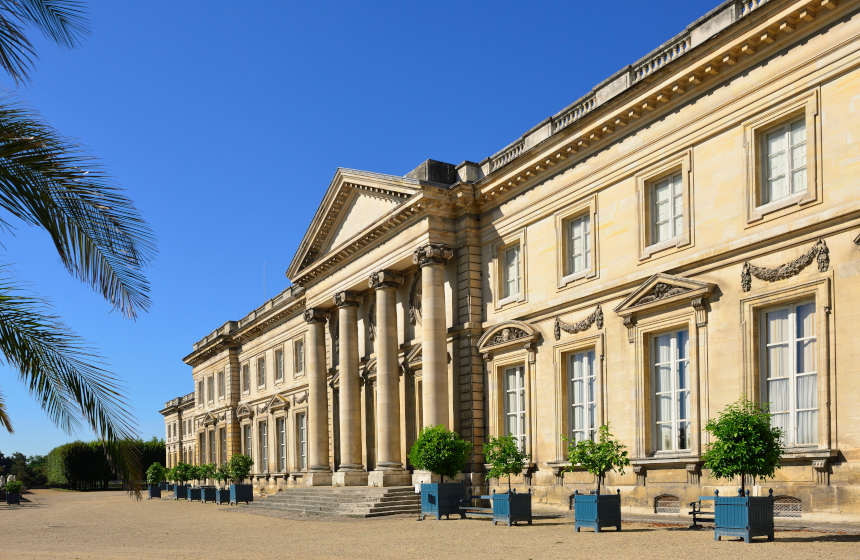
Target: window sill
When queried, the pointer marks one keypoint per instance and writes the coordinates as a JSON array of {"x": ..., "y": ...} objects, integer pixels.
[
  {"x": 667, "y": 459},
  {"x": 651, "y": 250},
  {"x": 571, "y": 278},
  {"x": 760, "y": 212},
  {"x": 806, "y": 454}
]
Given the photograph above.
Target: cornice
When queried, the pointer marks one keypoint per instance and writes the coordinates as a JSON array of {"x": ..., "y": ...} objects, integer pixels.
[{"x": 677, "y": 76}]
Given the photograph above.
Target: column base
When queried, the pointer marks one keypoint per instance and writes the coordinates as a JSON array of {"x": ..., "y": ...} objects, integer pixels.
[
  {"x": 317, "y": 478},
  {"x": 389, "y": 477},
  {"x": 349, "y": 478}
]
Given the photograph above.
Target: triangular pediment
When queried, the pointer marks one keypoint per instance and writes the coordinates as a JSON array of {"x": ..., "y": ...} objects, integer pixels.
[
  {"x": 663, "y": 289},
  {"x": 355, "y": 202}
]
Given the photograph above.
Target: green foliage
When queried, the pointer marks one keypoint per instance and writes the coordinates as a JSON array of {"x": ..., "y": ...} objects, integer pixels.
[
  {"x": 29, "y": 470},
  {"x": 14, "y": 487},
  {"x": 746, "y": 442},
  {"x": 170, "y": 474},
  {"x": 440, "y": 451},
  {"x": 222, "y": 473},
  {"x": 83, "y": 466},
  {"x": 239, "y": 467},
  {"x": 205, "y": 472},
  {"x": 505, "y": 458},
  {"x": 183, "y": 472},
  {"x": 600, "y": 457},
  {"x": 155, "y": 473}
]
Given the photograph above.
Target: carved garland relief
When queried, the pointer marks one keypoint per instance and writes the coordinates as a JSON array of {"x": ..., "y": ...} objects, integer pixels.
[
  {"x": 595, "y": 318},
  {"x": 818, "y": 252}
]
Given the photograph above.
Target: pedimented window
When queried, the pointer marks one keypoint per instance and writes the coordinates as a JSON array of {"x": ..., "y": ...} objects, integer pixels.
[{"x": 506, "y": 336}]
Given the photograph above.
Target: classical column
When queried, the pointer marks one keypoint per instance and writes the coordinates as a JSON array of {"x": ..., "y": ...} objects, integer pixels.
[
  {"x": 350, "y": 472},
  {"x": 389, "y": 470},
  {"x": 317, "y": 419},
  {"x": 434, "y": 354}
]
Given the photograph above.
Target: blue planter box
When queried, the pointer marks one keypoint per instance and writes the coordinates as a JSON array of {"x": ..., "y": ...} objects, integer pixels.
[
  {"x": 162, "y": 486},
  {"x": 241, "y": 493},
  {"x": 13, "y": 498},
  {"x": 154, "y": 491},
  {"x": 510, "y": 507},
  {"x": 440, "y": 499},
  {"x": 194, "y": 494},
  {"x": 207, "y": 493},
  {"x": 180, "y": 492},
  {"x": 222, "y": 496},
  {"x": 597, "y": 511},
  {"x": 743, "y": 516}
]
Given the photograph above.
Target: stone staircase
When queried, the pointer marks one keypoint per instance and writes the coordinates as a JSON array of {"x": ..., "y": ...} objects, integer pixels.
[{"x": 355, "y": 501}]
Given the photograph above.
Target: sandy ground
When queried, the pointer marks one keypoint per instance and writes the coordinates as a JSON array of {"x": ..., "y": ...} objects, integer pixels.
[{"x": 59, "y": 525}]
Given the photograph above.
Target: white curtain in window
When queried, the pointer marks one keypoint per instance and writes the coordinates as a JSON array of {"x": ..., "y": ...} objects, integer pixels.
[
  {"x": 670, "y": 380},
  {"x": 581, "y": 378},
  {"x": 784, "y": 165},
  {"x": 579, "y": 244},
  {"x": 667, "y": 209},
  {"x": 515, "y": 404},
  {"x": 263, "y": 433},
  {"x": 282, "y": 444},
  {"x": 512, "y": 271}
]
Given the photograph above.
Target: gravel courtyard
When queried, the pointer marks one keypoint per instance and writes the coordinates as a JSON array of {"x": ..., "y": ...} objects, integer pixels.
[{"x": 58, "y": 525}]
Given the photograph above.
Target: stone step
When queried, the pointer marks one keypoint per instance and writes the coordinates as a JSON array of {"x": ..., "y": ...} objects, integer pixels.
[{"x": 340, "y": 501}]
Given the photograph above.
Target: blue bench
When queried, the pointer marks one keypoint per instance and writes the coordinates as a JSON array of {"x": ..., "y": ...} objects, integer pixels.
[{"x": 700, "y": 514}]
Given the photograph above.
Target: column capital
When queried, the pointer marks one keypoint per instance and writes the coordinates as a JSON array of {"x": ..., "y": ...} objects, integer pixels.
[
  {"x": 432, "y": 253},
  {"x": 346, "y": 298},
  {"x": 315, "y": 315},
  {"x": 385, "y": 278}
]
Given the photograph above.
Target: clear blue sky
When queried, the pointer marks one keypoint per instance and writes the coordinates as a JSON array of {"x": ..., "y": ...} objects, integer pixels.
[{"x": 226, "y": 121}]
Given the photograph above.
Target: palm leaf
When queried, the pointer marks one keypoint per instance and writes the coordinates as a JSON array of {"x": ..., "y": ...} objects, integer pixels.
[
  {"x": 5, "y": 421},
  {"x": 58, "y": 368}
]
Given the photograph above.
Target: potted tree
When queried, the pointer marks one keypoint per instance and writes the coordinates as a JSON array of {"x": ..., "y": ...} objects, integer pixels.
[
  {"x": 745, "y": 445},
  {"x": 239, "y": 468},
  {"x": 181, "y": 475},
  {"x": 207, "y": 491},
  {"x": 170, "y": 476},
  {"x": 194, "y": 493},
  {"x": 607, "y": 454},
  {"x": 154, "y": 477},
  {"x": 222, "y": 494},
  {"x": 505, "y": 458},
  {"x": 13, "y": 492},
  {"x": 445, "y": 453}
]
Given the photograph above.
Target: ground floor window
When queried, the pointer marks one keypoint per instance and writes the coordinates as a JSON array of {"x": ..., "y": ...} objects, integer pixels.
[
  {"x": 223, "y": 450},
  {"x": 302, "y": 440},
  {"x": 670, "y": 378},
  {"x": 280, "y": 428},
  {"x": 212, "y": 446},
  {"x": 581, "y": 391},
  {"x": 515, "y": 404},
  {"x": 263, "y": 435}
]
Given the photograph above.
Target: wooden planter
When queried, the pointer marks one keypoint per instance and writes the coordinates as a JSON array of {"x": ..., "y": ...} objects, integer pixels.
[
  {"x": 222, "y": 496},
  {"x": 207, "y": 494},
  {"x": 597, "y": 511},
  {"x": 13, "y": 498},
  {"x": 441, "y": 498},
  {"x": 180, "y": 492},
  {"x": 241, "y": 493},
  {"x": 510, "y": 507},
  {"x": 194, "y": 494},
  {"x": 154, "y": 491},
  {"x": 743, "y": 516}
]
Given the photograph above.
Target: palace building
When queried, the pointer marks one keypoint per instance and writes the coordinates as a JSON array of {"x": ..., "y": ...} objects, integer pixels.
[{"x": 685, "y": 234}]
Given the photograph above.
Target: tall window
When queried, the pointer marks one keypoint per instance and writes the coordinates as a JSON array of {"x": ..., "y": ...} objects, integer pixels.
[
  {"x": 578, "y": 245},
  {"x": 281, "y": 429},
  {"x": 790, "y": 384},
  {"x": 223, "y": 446},
  {"x": 783, "y": 164},
  {"x": 212, "y": 446},
  {"x": 302, "y": 440},
  {"x": 511, "y": 271},
  {"x": 210, "y": 388},
  {"x": 515, "y": 405},
  {"x": 279, "y": 365},
  {"x": 246, "y": 440},
  {"x": 670, "y": 378},
  {"x": 263, "y": 442},
  {"x": 246, "y": 377},
  {"x": 581, "y": 377},
  {"x": 299, "y": 357},
  {"x": 222, "y": 389},
  {"x": 201, "y": 449},
  {"x": 261, "y": 372},
  {"x": 200, "y": 393},
  {"x": 667, "y": 209}
]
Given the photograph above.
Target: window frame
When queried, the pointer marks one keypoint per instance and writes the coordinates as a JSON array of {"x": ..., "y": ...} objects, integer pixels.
[
  {"x": 498, "y": 266},
  {"x": 222, "y": 384},
  {"x": 263, "y": 445},
  {"x": 673, "y": 391},
  {"x": 210, "y": 389},
  {"x": 755, "y": 129},
  {"x": 261, "y": 372},
  {"x": 589, "y": 431},
  {"x": 301, "y": 429},
  {"x": 646, "y": 180},
  {"x": 281, "y": 442},
  {"x": 247, "y": 439},
  {"x": 521, "y": 411},
  {"x": 580, "y": 342},
  {"x": 299, "y": 357},
  {"x": 245, "y": 376}
]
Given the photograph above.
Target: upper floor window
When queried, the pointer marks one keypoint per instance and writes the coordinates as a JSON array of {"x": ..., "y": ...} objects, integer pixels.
[
  {"x": 577, "y": 245},
  {"x": 670, "y": 378},
  {"x": 581, "y": 393},
  {"x": 783, "y": 161},
  {"x": 299, "y": 357},
  {"x": 790, "y": 380},
  {"x": 200, "y": 393},
  {"x": 511, "y": 271},
  {"x": 667, "y": 208},
  {"x": 515, "y": 404},
  {"x": 222, "y": 389},
  {"x": 210, "y": 388},
  {"x": 246, "y": 377},
  {"x": 261, "y": 372},
  {"x": 279, "y": 365}
]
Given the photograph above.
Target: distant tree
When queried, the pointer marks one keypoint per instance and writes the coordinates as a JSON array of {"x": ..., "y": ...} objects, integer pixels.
[{"x": 98, "y": 234}]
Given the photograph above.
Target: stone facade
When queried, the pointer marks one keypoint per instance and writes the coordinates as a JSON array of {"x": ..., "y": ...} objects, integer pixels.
[{"x": 685, "y": 234}]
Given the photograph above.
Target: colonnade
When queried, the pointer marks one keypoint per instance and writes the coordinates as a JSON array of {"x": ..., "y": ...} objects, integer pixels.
[{"x": 389, "y": 470}]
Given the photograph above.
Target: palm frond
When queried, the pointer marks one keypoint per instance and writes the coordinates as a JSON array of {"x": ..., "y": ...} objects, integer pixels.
[
  {"x": 62, "y": 21},
  {"x": 59, "y": 370},
  {"x": 99, "y": 234},
  {"x": 5, "y": 421}
]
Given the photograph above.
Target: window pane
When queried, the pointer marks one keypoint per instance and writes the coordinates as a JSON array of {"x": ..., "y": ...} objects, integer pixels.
[
  {"x": 807, "y": 423},
  {"x": 776, "y": 142},
  {"x": 664, "y": 437},
  {"x": 798, "y": 132},
  {"x": 664, "y": 408},
  {"x": 807, "y": 391},
  {"x": 663, "y": 379},
  {"x": 805, "y": 320},
  {"x": 777, "y": 390}
]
